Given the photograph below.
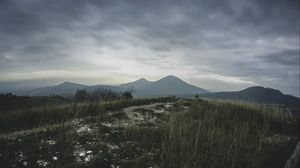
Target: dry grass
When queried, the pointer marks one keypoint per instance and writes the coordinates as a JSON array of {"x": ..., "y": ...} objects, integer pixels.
[{"x": 222, "y": 134}]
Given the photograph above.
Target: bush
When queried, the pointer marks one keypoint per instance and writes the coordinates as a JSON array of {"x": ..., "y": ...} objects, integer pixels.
[
  {"x": 81, "y": 95},
  {"x": 127, "y": 95}
]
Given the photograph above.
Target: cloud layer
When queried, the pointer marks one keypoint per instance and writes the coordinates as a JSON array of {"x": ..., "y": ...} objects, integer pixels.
[{"x": 218, "y": 45}]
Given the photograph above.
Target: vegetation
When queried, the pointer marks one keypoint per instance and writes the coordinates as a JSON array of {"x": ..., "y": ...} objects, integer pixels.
[
  {"x": 158, "y": 132},
  {"x": 9, "y": 102},
  {"x": 51, "y": 114},
  {"x": 127, "y": 95},
  {"x": 218, "y": 134},
  {"x": 100, "y": 95},
  {"x": 81, "y": 95}
]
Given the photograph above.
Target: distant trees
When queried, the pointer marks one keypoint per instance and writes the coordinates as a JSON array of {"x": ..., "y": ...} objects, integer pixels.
[
  {"x": 81, "y": 95},
  {"x": 101, "y": 94},
  {"x": 7, "y": 95},
  {"x": 104, "y": 94},
  {"x": 127, "y": 95}
]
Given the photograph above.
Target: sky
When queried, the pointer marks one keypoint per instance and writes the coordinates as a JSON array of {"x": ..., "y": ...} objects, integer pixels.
[{"x": 217, "y": 45}]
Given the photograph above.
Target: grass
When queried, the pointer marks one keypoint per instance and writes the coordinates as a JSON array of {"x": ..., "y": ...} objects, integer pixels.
[
  {"x": 216, "y": 134},
  {"x": 193, "y": 133},
  {"x": 51, "y": 114}
]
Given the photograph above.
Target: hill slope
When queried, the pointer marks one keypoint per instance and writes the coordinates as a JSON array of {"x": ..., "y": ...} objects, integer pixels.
[
  {"x": 135, "y": 84},
  {"x": 67, "y": 88},
  {"x": 257, "y": 94},
  {"x": 61, "y": 89}
]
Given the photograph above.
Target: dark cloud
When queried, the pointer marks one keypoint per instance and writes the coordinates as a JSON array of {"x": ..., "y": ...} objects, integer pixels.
[
  {"x": 286, "y": 57},
  {"x": 254, "y": 40}
]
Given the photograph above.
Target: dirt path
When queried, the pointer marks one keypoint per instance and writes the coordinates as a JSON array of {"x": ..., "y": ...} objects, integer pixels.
[
  {"x": 15, "y": 134},
  {"x": 128, "y": 111}
]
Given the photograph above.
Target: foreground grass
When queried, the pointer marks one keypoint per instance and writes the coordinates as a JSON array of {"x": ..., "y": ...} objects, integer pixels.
[
  {"x": 25, "y": 118},
  {"x": 189, "y": 133},
  {"x": 218, "y": 134}
]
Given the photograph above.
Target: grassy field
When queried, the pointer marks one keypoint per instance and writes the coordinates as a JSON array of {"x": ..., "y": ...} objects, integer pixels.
[{"x": 158, "y": 132}]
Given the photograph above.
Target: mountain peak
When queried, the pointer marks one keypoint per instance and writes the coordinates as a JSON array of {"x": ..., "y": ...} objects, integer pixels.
[
  {"x": 142, "y": 80},
  {"x": 169, "y": 85},
  {"x": 171, "y": 77},
  {"x": 261, "y": 89},
  {"x": 136, "y": 84},
  {"x": 66, "y": 83}
]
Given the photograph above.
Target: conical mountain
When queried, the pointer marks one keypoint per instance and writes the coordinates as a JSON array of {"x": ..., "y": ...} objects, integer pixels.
[{"x": 167, "y": 86}]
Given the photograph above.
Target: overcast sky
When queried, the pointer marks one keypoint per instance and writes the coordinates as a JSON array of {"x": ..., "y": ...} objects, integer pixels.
[{"x": 214, "y": 44}]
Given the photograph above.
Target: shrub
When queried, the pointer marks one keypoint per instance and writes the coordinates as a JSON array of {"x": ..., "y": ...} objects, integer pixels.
[
  {"x": 81, "y": 95},
  {"x": 127, "y": 95}
]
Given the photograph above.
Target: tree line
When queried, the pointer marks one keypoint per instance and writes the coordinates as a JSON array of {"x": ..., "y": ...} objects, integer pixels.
[{"x": 101, "y": 94}]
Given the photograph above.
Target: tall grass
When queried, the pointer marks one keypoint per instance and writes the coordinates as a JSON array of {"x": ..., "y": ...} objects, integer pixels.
[
  {"x": 219, "y": 134},
  {"x": 51, "y": 114},
  {"x": 207, "y": 134}
]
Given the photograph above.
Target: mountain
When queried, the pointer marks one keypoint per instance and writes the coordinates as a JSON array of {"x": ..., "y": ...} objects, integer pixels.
[
  {"x": 136, "y": 84},
  {"x": 257, "y": 94},
  {"x": 166, "y": 86},
  {"x": 61, "y": 89},
  {"x": 169, "y": 85},
  {"x": 67, "y": 89},
  {"x": 172, "y": 85}
]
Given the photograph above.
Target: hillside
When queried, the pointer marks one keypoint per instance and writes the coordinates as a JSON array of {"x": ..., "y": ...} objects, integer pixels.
[
  {"x": 67, "y": 89},
  {"x": 157, "y": 132},
  {"x": 61, "y": 89},
  {"x": 257, "y": 94}
]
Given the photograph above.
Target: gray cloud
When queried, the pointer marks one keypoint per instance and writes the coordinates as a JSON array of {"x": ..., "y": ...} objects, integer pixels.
[
  {"x": 286, "y": 57},
  {"x": 249, "y": 40}
]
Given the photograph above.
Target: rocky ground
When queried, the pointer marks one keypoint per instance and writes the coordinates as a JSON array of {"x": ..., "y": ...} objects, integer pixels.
[
  {"x": 125, "y": 138},
  {"x": 131, "y": 137}
]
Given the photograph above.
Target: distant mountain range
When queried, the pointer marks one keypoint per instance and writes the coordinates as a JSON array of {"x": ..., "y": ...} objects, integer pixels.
[
  {"x": 61, "y": 89},
  {"x": 167, "y": 86},
  {"x": 67, "y": 89},
  {"x": 173, "y": 86}
]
